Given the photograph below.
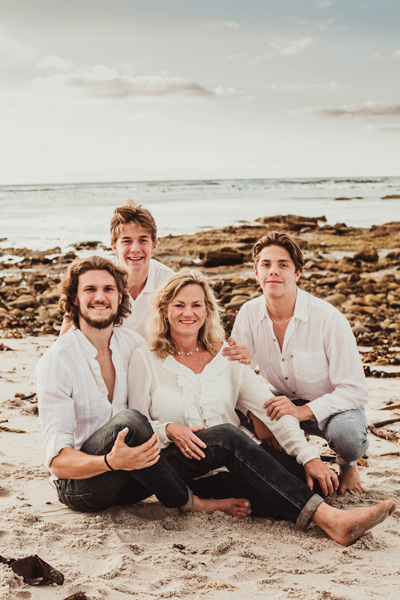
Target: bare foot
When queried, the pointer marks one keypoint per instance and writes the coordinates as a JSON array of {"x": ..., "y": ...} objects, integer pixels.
[
  {"x": 235, "y": 507},
  {"x": 349, "y": 481},
  {"x": 347, "y": 526}
]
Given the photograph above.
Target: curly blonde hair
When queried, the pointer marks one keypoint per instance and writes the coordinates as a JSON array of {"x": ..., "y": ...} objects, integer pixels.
[
  {"x": 211, "y": 333},
  {"x": 69, "y": 287}
]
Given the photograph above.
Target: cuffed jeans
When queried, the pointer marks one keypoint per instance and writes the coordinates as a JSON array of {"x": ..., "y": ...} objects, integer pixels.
[
  {"x": 282, "y": 494},
  {"x": 345, "y": 432}
]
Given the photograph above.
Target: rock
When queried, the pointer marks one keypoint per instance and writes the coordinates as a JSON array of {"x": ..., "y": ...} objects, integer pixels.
[
  {"x": 223, "y": 257},
  {"x": 24, "y": 301},
  {"x": 336, "y": 299},
  {"x": 366, "y": 254}
]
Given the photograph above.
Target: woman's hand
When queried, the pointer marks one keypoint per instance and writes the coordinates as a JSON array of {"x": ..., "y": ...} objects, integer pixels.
[{"x": 188, "y": 443}]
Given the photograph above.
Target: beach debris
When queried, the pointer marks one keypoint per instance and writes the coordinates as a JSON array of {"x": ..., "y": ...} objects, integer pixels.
[
  {"x": 34, "y": 570},
  {"x": 10, "y": 429},
  {"x": 390, "y": 407},
  {"x": 391, "y": 453},
  {"x": 77, "y": 596},
  {"x": 387, "y": 422},
  {"x": 368, "y": 372},
  {"x": 23, "y": 396},
  {"x": 4, "y": 348},
  {"x": 385, "y": 435}
]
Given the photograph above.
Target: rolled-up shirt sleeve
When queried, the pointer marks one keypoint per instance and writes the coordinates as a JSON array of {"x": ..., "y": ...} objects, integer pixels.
[
  {"x": 56, "y": 406},
  {"x": 252, "y": 395}
]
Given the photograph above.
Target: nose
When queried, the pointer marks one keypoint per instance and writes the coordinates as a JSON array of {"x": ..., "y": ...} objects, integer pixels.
[
  {"x": 134, "y": 246},
  {"x": 273, "y": 268},
  {"x": 99, "y": 295}
]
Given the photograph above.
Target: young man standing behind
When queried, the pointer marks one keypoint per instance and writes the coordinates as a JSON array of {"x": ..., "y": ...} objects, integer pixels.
[{"x": 305, "y": 348}]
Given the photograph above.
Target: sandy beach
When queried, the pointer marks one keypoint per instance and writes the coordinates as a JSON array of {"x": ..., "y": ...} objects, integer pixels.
[{"x": 140, "y": 552}]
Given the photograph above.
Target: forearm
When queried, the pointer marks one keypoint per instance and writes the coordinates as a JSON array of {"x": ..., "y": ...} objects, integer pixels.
[{"x": 74, "y": 464}]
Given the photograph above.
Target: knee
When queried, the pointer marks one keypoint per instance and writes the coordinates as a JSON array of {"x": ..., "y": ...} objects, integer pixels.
[
  {"x": 348, "y": 437},
  {"x": 226, "y": 433},
  {"x": 135, "y": 421}
]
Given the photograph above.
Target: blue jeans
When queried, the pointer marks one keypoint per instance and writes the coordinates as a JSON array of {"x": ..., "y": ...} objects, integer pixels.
[
  {"x": 264, "y": 477},
  {"x": 124, "y": 487},
  {"x": 345, "y": 432}
]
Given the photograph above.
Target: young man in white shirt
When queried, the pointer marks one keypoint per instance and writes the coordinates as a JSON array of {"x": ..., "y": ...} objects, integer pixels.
[
  {"x": 306, "y": 350},
  {"x": 99, "y": 453}
]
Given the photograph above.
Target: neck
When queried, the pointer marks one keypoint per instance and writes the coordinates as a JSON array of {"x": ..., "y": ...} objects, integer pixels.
[
  {"x": 185, "y": 343},
  {"x": 281, "y": 309},
  {"x": 99, "y": 338},
  {"x": 136, "y": 283}
]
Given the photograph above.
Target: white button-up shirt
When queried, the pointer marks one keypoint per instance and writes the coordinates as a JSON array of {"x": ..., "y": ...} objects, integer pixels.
[
  {"x": 166, "y": 391},
  {"x": 319, "y": 361},
  {"x": 72, "y": 395},
  {"x": 140, "y": 307}
]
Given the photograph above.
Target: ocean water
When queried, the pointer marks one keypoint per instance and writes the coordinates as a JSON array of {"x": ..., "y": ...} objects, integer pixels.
[{"x": 40, "y": 217}]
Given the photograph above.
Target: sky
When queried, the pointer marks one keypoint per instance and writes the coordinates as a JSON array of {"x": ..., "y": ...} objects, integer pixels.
[{"x": 138, "y": 90}]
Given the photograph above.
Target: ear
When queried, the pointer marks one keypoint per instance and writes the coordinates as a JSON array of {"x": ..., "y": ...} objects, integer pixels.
[
  {"x": 120, "y": 299},
  {"x": 256, "y": 272},
  {"x": 155, "y": 246},
  {"x": 297, "y": 276},
  {"x": 114, "y": 247},
  {"x": 76, "y": 301}
]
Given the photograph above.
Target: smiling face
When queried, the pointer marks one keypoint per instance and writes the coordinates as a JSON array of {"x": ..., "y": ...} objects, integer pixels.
[
  {"x": 276, "y": 273},
  {"x": 98, "y": 299},
  {"x": 187, "y": 311},
  {"x": 134, "y": 249}
]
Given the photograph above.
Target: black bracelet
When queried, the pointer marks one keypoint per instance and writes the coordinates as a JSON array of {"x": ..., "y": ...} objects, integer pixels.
[{"x": 109, "y": 466}]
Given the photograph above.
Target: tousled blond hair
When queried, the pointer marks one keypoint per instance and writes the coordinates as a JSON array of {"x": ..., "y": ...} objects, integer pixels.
[
  {"x": 211, "y": 333},
  {"x": 132, "y": 212}
]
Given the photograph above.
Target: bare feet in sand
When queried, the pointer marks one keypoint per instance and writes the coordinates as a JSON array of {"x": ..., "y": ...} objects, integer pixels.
[
  {"x": 235, "y": 507},
  {"x": 347, "y": 526},
  {"x": 349, "y": 481}
]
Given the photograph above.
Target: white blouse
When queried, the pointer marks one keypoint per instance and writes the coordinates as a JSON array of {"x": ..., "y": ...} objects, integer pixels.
[{"x": 168, "y": 392}]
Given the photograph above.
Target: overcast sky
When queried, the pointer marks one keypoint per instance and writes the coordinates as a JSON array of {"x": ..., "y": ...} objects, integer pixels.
[{"x": 122, "y": 90}]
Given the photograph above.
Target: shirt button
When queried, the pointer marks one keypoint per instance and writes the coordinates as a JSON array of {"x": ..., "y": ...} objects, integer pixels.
[
  {"x": 291, "y": 356},
  {"x": 293, "y": 392},
  {"x": 283, "y": 360},
  {"x": 286, "y": 378}
]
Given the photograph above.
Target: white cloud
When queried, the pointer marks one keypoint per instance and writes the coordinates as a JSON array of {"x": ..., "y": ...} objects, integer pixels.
[
  {"x": 304, "y": 86},
  {"x": 286, "y": 47},
  {"x": 156, "y": 86},
  {"x": 324, "y": 3},
  {"x": 367, "y": 109},
  {"x": 222, "y": 24},
  {"x": 53, "y": 62},
  {"x": 395, "y": 127}
]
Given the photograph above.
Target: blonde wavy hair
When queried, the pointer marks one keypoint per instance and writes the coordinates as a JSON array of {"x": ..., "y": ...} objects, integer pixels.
[{"x": 211, "y": 333}]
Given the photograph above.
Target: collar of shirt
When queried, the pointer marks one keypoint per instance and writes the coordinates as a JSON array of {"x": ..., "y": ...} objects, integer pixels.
[{"x": 300, "y": 308}]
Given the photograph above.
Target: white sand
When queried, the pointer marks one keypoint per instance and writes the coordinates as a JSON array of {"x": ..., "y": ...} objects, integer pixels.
[{"x": 138, "y": 552}]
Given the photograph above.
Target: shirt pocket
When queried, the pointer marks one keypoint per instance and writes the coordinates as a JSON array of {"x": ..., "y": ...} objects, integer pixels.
[{"x": 310, "y": 367}]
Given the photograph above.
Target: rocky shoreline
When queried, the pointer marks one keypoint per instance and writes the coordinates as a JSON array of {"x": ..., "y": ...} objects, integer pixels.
[{"x": 356, "y": 269}]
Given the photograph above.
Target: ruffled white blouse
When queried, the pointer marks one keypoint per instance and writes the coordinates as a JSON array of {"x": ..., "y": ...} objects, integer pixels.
[{"x": 166, "y": 391}]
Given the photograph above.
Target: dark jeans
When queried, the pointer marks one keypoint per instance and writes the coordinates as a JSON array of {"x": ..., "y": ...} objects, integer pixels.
[
  {"x": 225, "y": 485},
  {"x": 123, "y": 487},
  {"x": 262, "y": 476}
]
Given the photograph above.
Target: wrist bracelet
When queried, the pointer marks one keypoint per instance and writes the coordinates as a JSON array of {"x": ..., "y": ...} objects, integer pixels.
[{"x": 109, "y": 466}]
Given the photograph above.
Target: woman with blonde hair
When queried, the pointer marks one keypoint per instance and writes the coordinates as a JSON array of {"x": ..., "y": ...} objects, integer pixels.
[{"x": 189, "y": 391}]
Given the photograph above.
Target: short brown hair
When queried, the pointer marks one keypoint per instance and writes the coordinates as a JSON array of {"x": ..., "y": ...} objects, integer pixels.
[
  {"x": 132, "y": 212},
  {"x": 69, "y": 287},
  {"x": 210, "y": 334},
  {"x": 274, "y": 238}
]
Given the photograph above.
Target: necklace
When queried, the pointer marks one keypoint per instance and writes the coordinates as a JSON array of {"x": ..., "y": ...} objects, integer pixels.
[
  {"x": 282, "y": 322},
  {"x": 187, "y": 353}
]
